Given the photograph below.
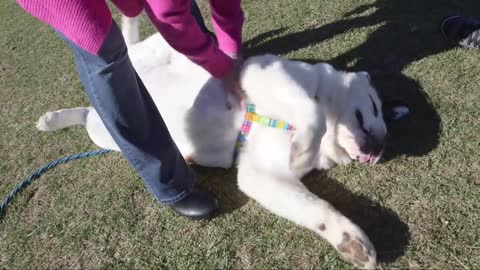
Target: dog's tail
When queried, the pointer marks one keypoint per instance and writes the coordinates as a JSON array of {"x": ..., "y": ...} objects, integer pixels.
[
  {"x": 130, "y": 29},
  {"x": 63, "y": 118}
]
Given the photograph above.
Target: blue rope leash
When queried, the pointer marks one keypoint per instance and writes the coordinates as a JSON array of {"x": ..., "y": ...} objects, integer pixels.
[{"x": 45, "y": 168}]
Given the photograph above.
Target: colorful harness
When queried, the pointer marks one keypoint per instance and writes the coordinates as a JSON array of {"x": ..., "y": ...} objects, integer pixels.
[{"x": 252, "y": 117}]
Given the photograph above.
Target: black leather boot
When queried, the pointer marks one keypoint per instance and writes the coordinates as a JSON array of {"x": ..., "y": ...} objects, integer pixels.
[{"x": 197, "y": 205}]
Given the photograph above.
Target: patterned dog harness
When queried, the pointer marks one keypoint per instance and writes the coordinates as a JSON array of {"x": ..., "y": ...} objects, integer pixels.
[{"x": 252, "y": 117}]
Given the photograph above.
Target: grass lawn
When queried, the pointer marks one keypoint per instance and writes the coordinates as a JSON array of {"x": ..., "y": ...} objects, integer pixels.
[{"x": 420, "y": 207}]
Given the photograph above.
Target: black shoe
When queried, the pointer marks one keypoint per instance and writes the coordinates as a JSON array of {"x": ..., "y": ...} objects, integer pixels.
[
  {"x": 462, "y": 31},
  {"x": 197, "y": 205}
]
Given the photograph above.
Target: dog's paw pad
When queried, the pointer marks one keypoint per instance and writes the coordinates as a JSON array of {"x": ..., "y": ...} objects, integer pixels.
[{"x": 357, "y": 251}]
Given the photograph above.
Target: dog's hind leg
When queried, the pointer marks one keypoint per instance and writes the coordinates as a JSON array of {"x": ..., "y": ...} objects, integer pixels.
[
  {"x": 290, "y": 199},
  {"x": 130, "y": 29},
  {"x": 63, "y": 118},
  {"x": 84, "y": 116}
]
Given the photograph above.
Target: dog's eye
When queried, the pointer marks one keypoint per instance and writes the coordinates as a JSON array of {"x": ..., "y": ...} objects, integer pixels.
[
  {"x": 375, "y": 110},
  {"x": 359, "y": 117}
]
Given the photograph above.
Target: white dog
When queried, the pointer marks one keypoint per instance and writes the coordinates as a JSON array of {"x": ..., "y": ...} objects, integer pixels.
[{"x": 337, "y": 118}]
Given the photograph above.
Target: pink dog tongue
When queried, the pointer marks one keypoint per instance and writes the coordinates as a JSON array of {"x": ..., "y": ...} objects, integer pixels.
[
  {"x": 370, "y": 159},
  {"x": 365, "y": 158}
]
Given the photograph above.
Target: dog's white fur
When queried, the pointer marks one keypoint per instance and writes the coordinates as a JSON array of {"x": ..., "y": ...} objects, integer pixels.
[{"x": 318, "y": 100}]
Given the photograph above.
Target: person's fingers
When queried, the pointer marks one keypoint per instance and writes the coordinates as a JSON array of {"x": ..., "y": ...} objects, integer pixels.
[
  {"x": 240, "y": 95},
  {"x": 240, "y": 99},
  {"x": 235, "y": 96}
]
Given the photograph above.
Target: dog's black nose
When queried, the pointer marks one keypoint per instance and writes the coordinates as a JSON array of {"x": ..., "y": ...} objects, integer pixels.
[{"x": 373, "y": 144}]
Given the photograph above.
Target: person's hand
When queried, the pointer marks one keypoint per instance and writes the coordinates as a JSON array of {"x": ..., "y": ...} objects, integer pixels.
[{"x": 231, "y": 84}]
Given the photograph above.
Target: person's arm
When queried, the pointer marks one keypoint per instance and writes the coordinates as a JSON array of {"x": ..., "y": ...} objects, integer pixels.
[
  {"x": 85, "y": 22},
  {"x": 227, "y": 18},
  {"x": 176, "y": 24}
]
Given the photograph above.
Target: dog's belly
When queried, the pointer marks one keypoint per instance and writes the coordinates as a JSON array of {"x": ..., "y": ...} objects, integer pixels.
[{"x": 191, "y": 102}]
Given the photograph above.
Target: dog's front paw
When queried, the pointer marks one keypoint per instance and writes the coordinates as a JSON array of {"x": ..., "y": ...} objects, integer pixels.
[{"x": 357, "y": 249}]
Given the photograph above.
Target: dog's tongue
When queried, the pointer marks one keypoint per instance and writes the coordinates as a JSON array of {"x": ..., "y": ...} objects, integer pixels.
[
  {"x": 365, "y": 158},
  {"x": 369, "y": 159}
]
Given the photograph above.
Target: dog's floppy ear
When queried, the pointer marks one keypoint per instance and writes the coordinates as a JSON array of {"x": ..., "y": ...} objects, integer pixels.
[{"x": 394, "y": 110}]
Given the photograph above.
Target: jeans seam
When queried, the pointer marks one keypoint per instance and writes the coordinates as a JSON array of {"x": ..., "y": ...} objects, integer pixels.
[{"x": 178, "y": 197}]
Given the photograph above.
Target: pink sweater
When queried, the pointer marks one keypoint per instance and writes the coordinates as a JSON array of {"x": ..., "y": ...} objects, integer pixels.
[{"x": 86, "y": 23}]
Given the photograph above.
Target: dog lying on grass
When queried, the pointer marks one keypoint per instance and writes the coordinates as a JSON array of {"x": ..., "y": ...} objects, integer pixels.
[{"x": 336, "y": 115}]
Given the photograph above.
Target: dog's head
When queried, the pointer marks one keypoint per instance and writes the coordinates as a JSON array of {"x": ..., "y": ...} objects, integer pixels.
[{"x": 358, "y": 123}]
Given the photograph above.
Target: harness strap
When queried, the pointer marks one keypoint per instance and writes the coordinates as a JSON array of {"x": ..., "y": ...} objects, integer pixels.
[{"x": 252, "y": 117}]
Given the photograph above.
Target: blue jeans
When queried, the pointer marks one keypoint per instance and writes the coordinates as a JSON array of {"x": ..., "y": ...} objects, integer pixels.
[{"x": 128, "y": 112}]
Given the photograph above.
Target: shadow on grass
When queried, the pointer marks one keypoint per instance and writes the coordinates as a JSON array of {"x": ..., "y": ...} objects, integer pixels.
[
  {"x": 407, "y": 31},
  {"x": 224, "y": 184},
  {"x": 389, "y": 235}
]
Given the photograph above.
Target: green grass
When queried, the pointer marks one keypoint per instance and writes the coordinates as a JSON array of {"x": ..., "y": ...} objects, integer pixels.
[{"x": 420, "y": 207}]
